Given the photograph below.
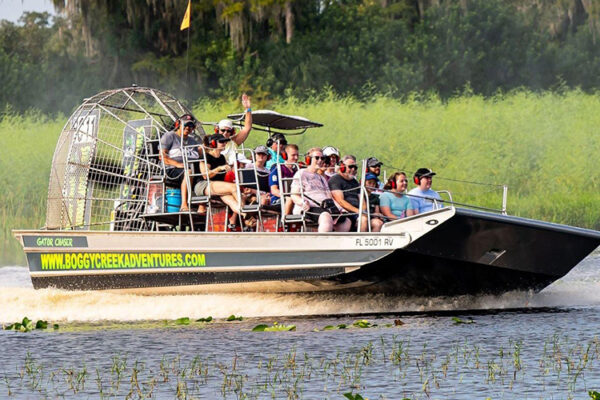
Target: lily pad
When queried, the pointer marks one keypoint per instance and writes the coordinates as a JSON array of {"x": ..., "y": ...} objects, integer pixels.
[
  {"x": 182, "y": 321},
  {"x": 207, "y": 319},
  {"x": 363, "y": 323},
  {"x": 274, "y": 328},
  {"x": 458, "y": 321},
  {"x": 234, "y": 318}
]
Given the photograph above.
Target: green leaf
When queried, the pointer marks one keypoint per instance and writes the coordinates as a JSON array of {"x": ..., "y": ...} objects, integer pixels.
[
  {"x": 458, "y": 321},
  {"x": 594, "y": 395},
  {"x": 280, "y": 328},
  {"x": 41, "y": 324},
  {"x": 55, "y": 327},
  {"x": 362, "y": 323},
  {"x": 260, "y": 328},
  {"x": 27, "y": 324},
  {"x": 207, "y": 319},
  {"x": 182, "y": 321},
  {"x": 234, "y": 318}
]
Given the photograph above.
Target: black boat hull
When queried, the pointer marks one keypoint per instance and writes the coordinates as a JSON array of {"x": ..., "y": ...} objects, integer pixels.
[{"x": 479, "y": 253}]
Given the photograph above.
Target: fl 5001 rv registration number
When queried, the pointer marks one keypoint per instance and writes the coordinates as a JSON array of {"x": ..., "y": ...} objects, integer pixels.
[{"x": 374, "y": 242}]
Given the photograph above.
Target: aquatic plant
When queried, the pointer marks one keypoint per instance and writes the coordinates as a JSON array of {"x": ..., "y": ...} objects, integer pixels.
[
  {"x": 458, "y": 321},
  {"x": 274, "y": 328},
  {"x": 232, "y": 317},
  {"x": 27, "y": 325},
  {"x": 182, "y": 321}
]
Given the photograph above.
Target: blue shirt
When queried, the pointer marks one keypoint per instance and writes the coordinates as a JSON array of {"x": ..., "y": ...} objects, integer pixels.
[
  {"x": 398, "y": 205},
  {"x": 423, "y": 205},
  {"x": 274, "y": 179}
]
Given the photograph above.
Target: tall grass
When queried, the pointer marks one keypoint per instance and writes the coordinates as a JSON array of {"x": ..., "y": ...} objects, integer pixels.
[
  {"x": 26, "y": 148},
  {"x": 543, "y": 146}
]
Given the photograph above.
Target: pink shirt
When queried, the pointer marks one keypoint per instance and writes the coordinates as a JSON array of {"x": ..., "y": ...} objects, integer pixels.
[{"x": 313, "y": 185}]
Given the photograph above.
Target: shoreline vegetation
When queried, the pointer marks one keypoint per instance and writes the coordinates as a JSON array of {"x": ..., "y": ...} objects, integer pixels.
[{"x": 542, "y": 145}]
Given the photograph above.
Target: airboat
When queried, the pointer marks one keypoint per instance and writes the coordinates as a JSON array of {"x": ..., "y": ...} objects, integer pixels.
[{"x": 109, "y": 226}]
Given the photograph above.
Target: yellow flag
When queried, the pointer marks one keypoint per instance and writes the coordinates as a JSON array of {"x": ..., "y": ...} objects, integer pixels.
[{"x": 186, "y": 18}]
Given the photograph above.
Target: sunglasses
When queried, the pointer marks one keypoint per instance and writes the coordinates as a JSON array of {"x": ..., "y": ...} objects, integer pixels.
[
  {"x": 223, "y": 140},
  {"x": 353, "y": 166},
  {"x": 225, "y": 130},
  {"x": 190, "y": 125},
  {"x": 319, "y": 157}
]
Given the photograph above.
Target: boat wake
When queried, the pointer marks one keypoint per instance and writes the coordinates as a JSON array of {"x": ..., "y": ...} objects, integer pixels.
[{"x": 580, "y": 288}]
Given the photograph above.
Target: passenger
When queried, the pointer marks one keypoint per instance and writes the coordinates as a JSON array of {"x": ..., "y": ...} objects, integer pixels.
[
  {"x": 394, "y": 203},
  {"x": 225, "y": 128},
  {"x": 333, "y": 158},
  {"x": 345, "y": 190},
  {"x": 261, "y": 156},
  {"x": 216, "y": 167},
  {"x": 171, "y": 152},
  {"x": 374, "y": 167},
  {"x": 276, "y": 144},
  {"x": 422, "y": 195},
  {"x": 315, "y": 190},
  {"x": 371, "y": 186},
  {"x": 287, "y": 170}
]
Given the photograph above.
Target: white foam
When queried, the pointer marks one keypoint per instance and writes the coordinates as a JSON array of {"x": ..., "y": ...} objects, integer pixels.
[{"x": 19, "y": 299}]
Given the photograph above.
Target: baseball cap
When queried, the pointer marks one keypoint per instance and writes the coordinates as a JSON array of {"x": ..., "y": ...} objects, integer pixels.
[
  {"x": 421, "y": 172},
  {"x": 261, "y": 149},
  {"x": 370, "y": 176},
  {"x": 242, "y": 159},
  {"x": 373, "y": 162},
  {"x": 225, "y": 124},
  {"x": 278, "y": 136},
  {"x": 330, "y": 150},
  {"x": 187, "y": 120}
]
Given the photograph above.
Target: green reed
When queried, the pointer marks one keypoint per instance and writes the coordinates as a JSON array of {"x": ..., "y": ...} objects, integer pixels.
[
  {"x": 543, "y": 146},
  {"x": 412, "y": 372}
]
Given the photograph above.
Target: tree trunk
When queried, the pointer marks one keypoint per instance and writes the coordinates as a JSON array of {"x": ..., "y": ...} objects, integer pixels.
[{"x": 289, "y": 22}]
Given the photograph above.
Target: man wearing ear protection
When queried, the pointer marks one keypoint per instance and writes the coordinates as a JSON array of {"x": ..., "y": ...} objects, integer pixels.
[
  {"x": 422, "y": 195},
  {"x": 315, "y": 196},
  {"x": 172, "y": 145},
  {"x": 225, "y": 128},
  {"x": 345, "y": 190}
]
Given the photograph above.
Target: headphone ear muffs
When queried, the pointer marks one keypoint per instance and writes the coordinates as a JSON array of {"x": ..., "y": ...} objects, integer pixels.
[
  {"x": 213, "y": 144},
  {"x": 216, "y": 129},
  {"x": 307, "y": 160},
  {"x": 269, "y": 142},
  {"x": 393, "y": 184},
  {"x": 417, "y": 180},
  {"x": 283, "y": 155},
  {"x": 343, "y": 168}
]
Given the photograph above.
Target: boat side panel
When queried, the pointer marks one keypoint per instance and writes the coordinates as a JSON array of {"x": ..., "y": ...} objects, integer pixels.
[
  {"x": 413, "y": 274},
  {"x": 510, "y": 243},
  {"x": 176, "y": 280}
]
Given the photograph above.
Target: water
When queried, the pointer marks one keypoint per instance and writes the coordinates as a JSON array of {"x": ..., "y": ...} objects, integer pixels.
[{"x": 520, "y": 345}]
